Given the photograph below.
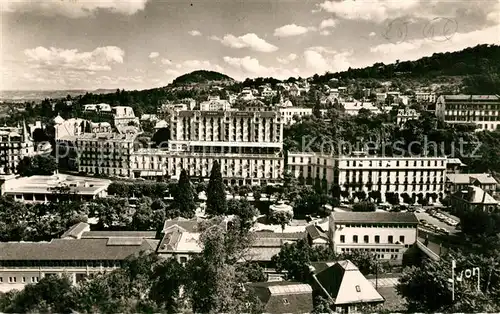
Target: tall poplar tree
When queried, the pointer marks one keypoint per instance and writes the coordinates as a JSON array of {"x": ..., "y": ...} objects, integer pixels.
[
  {"x": 216, "y": 195},
  {"x": 184, "y": 196}
]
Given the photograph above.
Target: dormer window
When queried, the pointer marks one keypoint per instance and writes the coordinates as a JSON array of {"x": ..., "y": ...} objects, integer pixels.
[
  {"x": 358, "y": 289},
  {"x": 285, "y": 302}
]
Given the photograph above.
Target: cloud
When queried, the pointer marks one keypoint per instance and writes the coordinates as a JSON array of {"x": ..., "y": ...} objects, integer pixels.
[
  {"x": 380, "y": 10},
  {"x": 100, "y": 59},
  {"x": 73, "y": 9},
  {"x": 372, "y": 34},
  {"x": 251, "y": 67},
  {"x": 324, "y": 33},
  {"x": 194, "y": 33},
  {"x": 327, "y": 23},
  {"x": 250, "y": 40},
  {"x": 317, "y": 62},
  {"x": 165, "y": 61},
  {"x": 286, "y": 60},
  {"x": 154, "y": 55},
  {"x": 414, "y": 49},
  {"x": 291, "y": 30}
]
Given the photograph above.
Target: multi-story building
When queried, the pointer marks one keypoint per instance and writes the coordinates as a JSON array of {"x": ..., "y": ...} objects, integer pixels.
[
  {"x": 459, "y": 181},
  {"x": 425, "y": 97},
  {"x": 473, "y": 198},
  {"x": 15, "y": 144},
  {"x": 103, "y": 153},
  {"x": 421, "y": 177},
  {"x": 214, "y": 103},
  {"x": 247, "y": 145},
  {"x": 406, "y": 115},
  {"x": 124, "y": 116},
  {"x": 290, "y": 112},
  {"x": 386, "y": 234},
  {"x": 482, "y": 110}
]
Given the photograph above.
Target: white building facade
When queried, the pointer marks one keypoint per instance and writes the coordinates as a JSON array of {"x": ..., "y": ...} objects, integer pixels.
[
  {"x": 415, "y": 176},
  {"x": 482, "y": 110},
  {"x": 385, "y": 234}
]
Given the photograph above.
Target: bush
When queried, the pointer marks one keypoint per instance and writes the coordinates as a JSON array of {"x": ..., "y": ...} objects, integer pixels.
[{"x": 364, "y": 207}]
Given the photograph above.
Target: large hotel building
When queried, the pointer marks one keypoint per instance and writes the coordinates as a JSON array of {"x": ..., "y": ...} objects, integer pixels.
[
  {"x": 247, "y": 144},
  {"x": 482, "y": 110},
  {"x": 360, "y": 172}
]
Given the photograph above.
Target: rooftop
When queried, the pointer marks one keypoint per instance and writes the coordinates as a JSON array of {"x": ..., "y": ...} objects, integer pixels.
[
  {"x": 46, "y": 184},
  {"x": 476, "y": 195},
  {"x": 467, "y": 178},
  {"x": 118, "y": 234},
  {"x": 284, "y": 296},
  {"x": 78, "y": 249},
  {"x": 374, "y": 217},
  {"x": 346, "y": 285}
]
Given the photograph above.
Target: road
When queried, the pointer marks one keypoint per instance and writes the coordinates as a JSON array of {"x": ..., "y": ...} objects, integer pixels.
[{"x": 436, "y": 222}]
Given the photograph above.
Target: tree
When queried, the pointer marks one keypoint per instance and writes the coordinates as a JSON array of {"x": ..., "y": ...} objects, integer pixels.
[
  {"x": 244, "y": 210},
  {"x": 51, "y": 294},
  {"x": 322, "y": 306},
  {"x": 364, "y": 207},
  {"x": 38, "y": 165},
  {"x": 281, "y": 218},
  {"x": 216, "y": 198},
  {"x": 213, "y": 285},
  {"x": 427, "y": 288},
  {"x": 295, "y": 259},
  {"x": 184, "y": 196}
]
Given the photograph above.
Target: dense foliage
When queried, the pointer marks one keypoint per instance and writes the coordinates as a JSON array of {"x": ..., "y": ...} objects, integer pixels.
[
  {"x": 201, "y": 76},
  {"x": 216, "y": 193},
  {"x": 428, "y": 289}
]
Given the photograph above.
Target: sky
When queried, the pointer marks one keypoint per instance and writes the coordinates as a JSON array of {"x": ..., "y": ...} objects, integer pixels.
[{"x": 141, "y": 44}]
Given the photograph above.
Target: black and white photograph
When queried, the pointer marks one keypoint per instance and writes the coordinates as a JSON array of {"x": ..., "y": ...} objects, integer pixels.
[{"x": 249, "y": 156}]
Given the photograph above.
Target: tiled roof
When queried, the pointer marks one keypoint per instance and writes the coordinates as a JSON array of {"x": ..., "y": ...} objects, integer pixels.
[
  {"x": 476, "y": 195},
  {"x": 76, "y": 230},
  {"x": 374, "y": 217},
  {"x": 315, "y": 232},
  {"x": 280, "y": 235},
  {"x": 284, "y": 296},
  {"x": 78, "y": 249},
  {"x": 115, "y": 234},
  {"x": 346, "y": 285},
  {"x": 467, "y": 178},
  {"x": 190, "y": 225}
]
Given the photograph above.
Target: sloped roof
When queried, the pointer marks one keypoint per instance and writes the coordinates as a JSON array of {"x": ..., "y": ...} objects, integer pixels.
[
  {"x": 315, "y": 233},
  {"x": 476, "y": 195},
  {"x": 190, "y": 225},
  {"x": 374, "y": 217},
  {"x": 284, "y": 296},
  {"x": 78, "y": 249},
  {"x": 346, "y": 285},
  {"x": 115, "y": 234},
  {"x": 76, "y": 230}
]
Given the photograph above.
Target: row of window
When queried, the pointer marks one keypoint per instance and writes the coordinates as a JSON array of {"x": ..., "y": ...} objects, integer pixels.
[
  {"x": 380, "y": 225},
  {"x": 366, "y": 239},
  {"x": 23, "y": 280},
  {"x": 372, "y": 250}
]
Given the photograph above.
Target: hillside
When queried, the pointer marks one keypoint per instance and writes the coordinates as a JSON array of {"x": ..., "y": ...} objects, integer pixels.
[
  {"x": 203, "y": 77},
  {"x": 478, "y": 60}
]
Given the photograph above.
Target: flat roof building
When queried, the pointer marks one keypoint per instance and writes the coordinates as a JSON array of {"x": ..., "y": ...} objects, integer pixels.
[{"x": 41, "y": 189}]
